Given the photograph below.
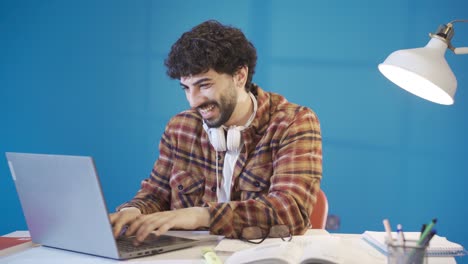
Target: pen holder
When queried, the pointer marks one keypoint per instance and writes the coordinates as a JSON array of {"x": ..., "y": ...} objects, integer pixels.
[{"x": 408, "y": 253}]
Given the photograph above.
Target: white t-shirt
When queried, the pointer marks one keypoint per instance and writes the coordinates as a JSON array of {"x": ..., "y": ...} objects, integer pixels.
[{"x": 230, "y": 160}]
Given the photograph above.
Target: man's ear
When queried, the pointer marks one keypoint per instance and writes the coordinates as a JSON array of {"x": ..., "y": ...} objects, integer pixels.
[{"x": 240, "y": 76}]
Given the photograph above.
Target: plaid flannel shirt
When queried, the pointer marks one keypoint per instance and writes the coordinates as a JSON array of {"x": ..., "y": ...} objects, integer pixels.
[{"x": 275, "y": 180}]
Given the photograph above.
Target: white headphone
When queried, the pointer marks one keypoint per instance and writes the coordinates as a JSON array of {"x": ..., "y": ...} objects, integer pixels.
[{"x": 233, "y": 140}]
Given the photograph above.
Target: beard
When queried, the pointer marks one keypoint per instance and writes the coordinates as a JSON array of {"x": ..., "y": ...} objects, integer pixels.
[{"x": 226, "y": 105}]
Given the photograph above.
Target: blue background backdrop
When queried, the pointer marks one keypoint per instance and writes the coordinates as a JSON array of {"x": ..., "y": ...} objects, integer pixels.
[{"x": 87, "y": 78}]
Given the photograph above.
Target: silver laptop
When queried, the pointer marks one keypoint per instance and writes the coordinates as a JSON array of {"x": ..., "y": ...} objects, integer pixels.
[{"x": 64, "y": 208}]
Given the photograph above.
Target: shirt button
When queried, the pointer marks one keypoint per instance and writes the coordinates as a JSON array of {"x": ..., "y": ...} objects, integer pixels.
[
  {"x": 219, "y": 158},
  {"x": 180, "y": 187},
  {"x": 256, "y": 184},
  {"x": 213, "y": 189}
]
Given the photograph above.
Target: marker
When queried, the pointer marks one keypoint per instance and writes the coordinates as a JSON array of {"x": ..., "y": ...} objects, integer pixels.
[
  {"x": 426, "y": 232},
  {"x": 388, "y": 229},
  {"x": 423, "y": 227},
  {"x": 210, "y": 256}
]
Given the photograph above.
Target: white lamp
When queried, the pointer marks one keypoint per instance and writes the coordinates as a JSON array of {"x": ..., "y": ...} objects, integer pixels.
[{"x": 424, "y": 71}]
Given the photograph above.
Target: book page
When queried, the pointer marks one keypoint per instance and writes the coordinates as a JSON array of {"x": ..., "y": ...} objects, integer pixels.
[
  {"x": 322, "y": 249},
  {"x": 277, "y": 253},
  {"x": 305, "y": 249}
]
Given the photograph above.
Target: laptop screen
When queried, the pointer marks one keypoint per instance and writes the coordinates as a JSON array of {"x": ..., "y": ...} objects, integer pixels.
[
  {"x": 62, "y": 202},
  {"x": 64, "y": 207}
]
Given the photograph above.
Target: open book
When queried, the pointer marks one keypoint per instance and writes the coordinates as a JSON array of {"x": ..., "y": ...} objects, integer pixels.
[
  {"x": 438, "y": 246},
  {"x": 311, "y": 249}
]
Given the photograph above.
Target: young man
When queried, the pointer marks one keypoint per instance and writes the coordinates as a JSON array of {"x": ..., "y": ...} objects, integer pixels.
[{"x": 241, "y": 158}]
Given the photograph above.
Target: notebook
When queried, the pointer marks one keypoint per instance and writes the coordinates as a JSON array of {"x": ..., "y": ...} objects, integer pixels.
[
  {"x": 438, "y": 246},
  {"x": 64, "y": 208}
]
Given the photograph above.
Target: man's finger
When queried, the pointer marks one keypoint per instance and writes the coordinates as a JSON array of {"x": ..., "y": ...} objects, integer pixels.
[{"x": 135, "y": 224}]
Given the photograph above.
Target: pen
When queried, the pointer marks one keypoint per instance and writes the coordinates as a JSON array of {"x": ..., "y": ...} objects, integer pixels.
[
  {"x": 210, "y": 256},
  {"x": 427, "y": 230},
  {"x": 429, "y": 237},
  {"x": 401, "y": 236},
  {"x": 386, "y": 224}
]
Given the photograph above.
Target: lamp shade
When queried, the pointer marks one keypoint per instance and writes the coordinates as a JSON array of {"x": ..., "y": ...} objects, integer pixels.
[{"x": 423, "y": 72}]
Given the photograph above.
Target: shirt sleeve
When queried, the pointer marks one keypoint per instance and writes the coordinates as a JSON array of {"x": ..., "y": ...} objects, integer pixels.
[
  {"x": 155, "y": 192},
  {"x": 297, "y": 172}
]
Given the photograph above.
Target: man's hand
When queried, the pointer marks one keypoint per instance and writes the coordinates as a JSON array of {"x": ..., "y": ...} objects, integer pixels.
[
  {"x": 123, "y": 218},
  {"x": 142, "y": 225}
]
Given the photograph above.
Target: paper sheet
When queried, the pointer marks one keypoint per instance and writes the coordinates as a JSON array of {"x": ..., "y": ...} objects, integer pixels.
[{"x": 233, "y": 245}]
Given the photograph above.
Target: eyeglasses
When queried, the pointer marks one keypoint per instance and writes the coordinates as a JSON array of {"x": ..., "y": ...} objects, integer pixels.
[{"x": 251, "y": 234}]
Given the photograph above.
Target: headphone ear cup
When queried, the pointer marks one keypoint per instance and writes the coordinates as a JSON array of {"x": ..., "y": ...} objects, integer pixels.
[
  {"x": 217, "y": 138},
  {"x": 233, "y": 141}
]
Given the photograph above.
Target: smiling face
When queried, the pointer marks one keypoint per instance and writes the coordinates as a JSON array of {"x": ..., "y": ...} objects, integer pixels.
[
  {"x": 213, "y": 95},
  {"x": 220, "y": 98}
]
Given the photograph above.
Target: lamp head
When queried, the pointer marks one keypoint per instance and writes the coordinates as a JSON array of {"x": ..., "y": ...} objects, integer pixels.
[{"x": 424, "y": 71}]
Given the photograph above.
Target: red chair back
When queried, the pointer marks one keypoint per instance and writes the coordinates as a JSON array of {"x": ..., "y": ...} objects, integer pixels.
[{"x": 318, "y": 217}]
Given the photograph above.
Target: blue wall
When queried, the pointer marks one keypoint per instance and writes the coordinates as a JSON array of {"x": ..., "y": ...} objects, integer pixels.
[{"x": 87, "y": 78}]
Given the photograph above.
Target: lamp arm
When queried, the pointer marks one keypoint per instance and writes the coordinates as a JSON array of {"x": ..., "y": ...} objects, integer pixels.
[
  {"x": 459, "y": 20},
  {"x": 458, "y": 51}
]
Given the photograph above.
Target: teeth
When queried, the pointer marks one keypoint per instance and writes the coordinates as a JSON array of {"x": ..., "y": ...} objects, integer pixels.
[{"x": 207, "y": 108}]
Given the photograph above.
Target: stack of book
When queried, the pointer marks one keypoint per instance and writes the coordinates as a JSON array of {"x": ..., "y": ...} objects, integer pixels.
[{"x": 9, "y": 245}]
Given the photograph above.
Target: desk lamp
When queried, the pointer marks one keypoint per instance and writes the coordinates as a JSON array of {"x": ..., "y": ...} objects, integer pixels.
[{"x": 424, "y": 71}]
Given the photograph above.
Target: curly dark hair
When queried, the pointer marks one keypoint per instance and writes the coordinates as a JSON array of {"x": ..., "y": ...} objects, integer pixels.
[{"x": 211, "y": 45}]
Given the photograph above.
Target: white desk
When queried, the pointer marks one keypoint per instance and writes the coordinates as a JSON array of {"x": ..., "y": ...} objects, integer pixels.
[{"x": 357, "y": 251}]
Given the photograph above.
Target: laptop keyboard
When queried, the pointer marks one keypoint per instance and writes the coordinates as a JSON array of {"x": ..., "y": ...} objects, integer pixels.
[{"x": 125, "y": 244}]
